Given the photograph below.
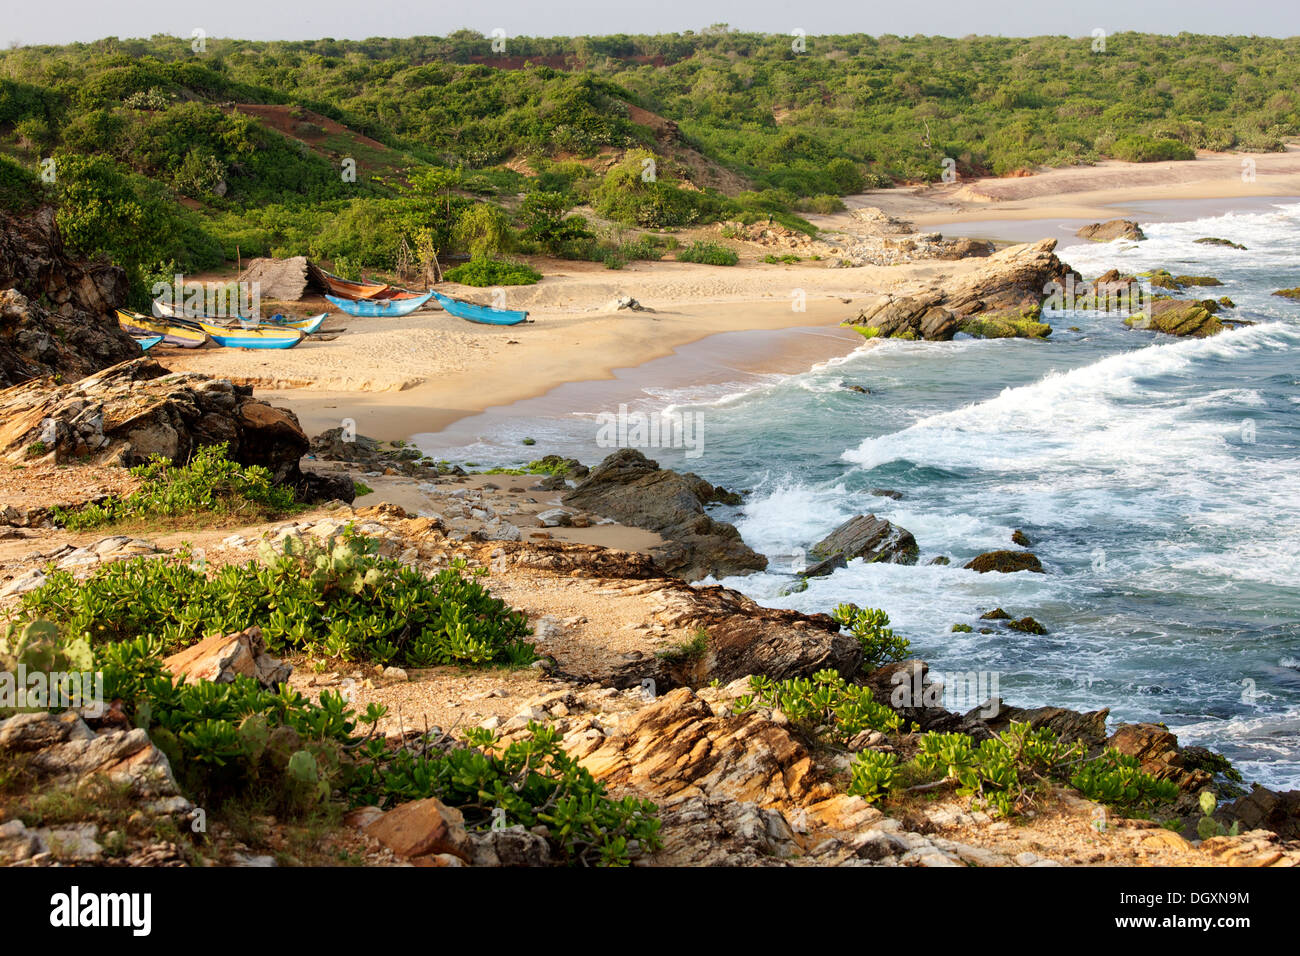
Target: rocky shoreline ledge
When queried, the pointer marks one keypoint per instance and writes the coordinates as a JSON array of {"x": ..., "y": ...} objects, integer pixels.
[{"x": 646, "y": 681}]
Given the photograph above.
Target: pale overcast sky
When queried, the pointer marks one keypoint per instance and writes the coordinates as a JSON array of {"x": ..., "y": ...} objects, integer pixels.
[{"x": 30, "y": 22}]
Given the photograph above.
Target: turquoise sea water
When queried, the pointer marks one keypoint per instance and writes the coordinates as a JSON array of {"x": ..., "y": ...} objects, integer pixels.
[{"x": 1158, "y": 478}]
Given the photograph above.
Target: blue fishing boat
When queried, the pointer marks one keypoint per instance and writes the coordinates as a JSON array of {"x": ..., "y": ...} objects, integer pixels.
[
  {"x": 257, "y": 337},
  {"x": 146, "y": 342},
  {"x": 381, "y": 308},
  {"x": 480, "y": 313}
]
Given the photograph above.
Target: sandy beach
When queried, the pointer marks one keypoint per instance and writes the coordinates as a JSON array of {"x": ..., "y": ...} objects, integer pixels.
[
  {"x": 1090, "y": 193},
  {"x": 398, "y": 377}
]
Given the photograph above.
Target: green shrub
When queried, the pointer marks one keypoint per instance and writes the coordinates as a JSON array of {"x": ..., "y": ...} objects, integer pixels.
[
  {"x": 708, "y": 253},
  {"x": 239, "y": 740},
  {"x": 1144, "y": 149},
  {"x": 873, "y": 774},
  {"x": 530, "y": 782},
  {"x": 826, "y": 705},
  {"x": 880, "y": 645},
  {"x": 335, "y": 599},
  {"x": 490, "y": 272},
  {"x": 209, "y": 484},
  {"x": 1118, "y": 779}
]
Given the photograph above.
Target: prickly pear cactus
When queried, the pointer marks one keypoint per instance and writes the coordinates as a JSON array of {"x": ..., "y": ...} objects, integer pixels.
[
  {"x": 39, "y": 646},
  {"x": 306, "y": 787},
  {"x": 253, "y": 735}
]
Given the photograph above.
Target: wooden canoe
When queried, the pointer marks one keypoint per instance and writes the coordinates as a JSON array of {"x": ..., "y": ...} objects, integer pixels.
[
  {"x": 356, "y": 291},
  {"x": 380, "y": 308},
  {"x": 307, "y": 326},
  {"x": 256, "y": 337},
  {"x": 180, "y": 336},
  {"x": 480, "y": 313}
]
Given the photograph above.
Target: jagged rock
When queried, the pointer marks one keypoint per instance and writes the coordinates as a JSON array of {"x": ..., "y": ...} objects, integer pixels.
[
  {"x": 1264, "y": 809},
  {"x": 1255, "y": 848},
  {"x": 675, "y": 748},
  {"x": 632, "y": 489},
  {"x": 1003, "y": 296},
  {"x": 1069, "y": 725},
  {"x": 17, "y": 843},
  {"x": 124, "y": 414},
  {"x": 1027, "y": 625},
  {"x": 821, "y": 569},
  {"x": 423, "y": 828},
  {"x": 555, "y": 518},
  {"x": 870, "y": 538},
  {"x": 703, "y": 831},
  {"x": 1180, "y": 317},
  {"x": 1020, "y": 538},
  {"x": 1111, "y": 229},
  {"x": 221, "y": 659},
  {"x": 77, "y": 334},
  {"x": 1007, "y": 562},
  {"x": 1159, "y": 755},
  {"x": 1213, "y": 241},
  {"x": 511, "y": 846},
  {"x": 61, "y": 748}
]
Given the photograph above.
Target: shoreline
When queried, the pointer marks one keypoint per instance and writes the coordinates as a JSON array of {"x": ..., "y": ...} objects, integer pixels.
[{"x": 422, "y": 375}]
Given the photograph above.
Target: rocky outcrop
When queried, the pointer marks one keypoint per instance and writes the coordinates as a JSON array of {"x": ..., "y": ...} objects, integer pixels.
[
  {"x": 56, "y": 314},
  {"x": 1215, "y": 241},
  {"x": 1180, "y": 317},
  {"x": 221, "y": 659},
  {"x": 127, "y": 413},
  {"x": 1007, "y": 562},
  {"x": 1264, "y": 809},
  {"x": 676, "y": 748},
  {"x": 879, "y": 239},
  {"x": 634, "y": 490},
  {"x": 62, "y": 749},
  {"x": 740, "y": 636},
  {"x": 1157, "y": 750},
  {"x": 1002, "y": 298},
  {"x": 1111, "y": 229},
  {"x": 870, "y": 538}
]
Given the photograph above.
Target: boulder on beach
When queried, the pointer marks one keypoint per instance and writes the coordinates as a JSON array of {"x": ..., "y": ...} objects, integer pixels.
[
  {"x": 1111, "y": 229},
  {"x": 870, "y": 538},
  {"x": 634, "y": 490},
  {"x": 1002, "y": 298}
]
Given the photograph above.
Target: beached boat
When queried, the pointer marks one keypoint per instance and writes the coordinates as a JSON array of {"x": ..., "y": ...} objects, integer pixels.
[
  {"x": 186, "y": 336},
  {"x": 480, "y": 313},
  {"x": 307, "y": 326},
  {"x": 384, "y": 308},
  {"x": 356, "y": 291},
  {"x": 257, "y": 337},
  {"x": 146, "y": 342}
]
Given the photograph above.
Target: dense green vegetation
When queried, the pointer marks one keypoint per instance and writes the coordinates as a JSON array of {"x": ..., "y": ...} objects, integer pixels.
[
  {"x": 335, "y": 598},
  {"x": 210, "y": 484},
  {"x": 457, "y": 149},
  {"x": 239, "y": 742}
]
